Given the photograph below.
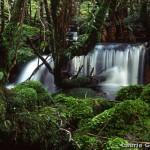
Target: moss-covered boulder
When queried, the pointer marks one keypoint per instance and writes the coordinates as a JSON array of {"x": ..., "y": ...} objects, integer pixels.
[
  {"x": 73, "y": 109},
  {"x": 117, "y": 143},
  {"x": 43, "y": 96},
  {"x": 81, "y": 93},
  {"x": 129, "y": 92},
  {"x": 76, "y": 111},
  {"x": 5, "y": 94},
  {"x": 128, "y": 119},
  {"x": 31, "y": 129},
  {"x": 25, "y": 98},
  {"x": 145, "y": 95},
  {"x": 123, "y": 119}
]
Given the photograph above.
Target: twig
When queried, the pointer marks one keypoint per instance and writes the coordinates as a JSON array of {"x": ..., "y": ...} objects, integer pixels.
[
  {"x": 102, "y": 137},
  {"x": 80, "y": 68},
  {"x": 36, "y": 69},
  {"x": 101, "y": 71},
  {"x": 39, "y": 55},
  {"x": 91, "y": 71}
]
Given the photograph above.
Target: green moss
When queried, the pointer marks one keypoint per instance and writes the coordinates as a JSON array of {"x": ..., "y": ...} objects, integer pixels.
[
  {"x": 87, "y": 142},
  {"x": 5, "y": 94},
  {"x": 25, "y": 54},
  {"x": 125, "y": 110},
  {"x": 117, "y": 143},
  {"x": 31, "y": 128},
  {"x": 73, "y": 109},
  {"x": 43, "y": 96},
  {"x": 122, "y": 120},
  {"x": 81, "y": 93},
  {"x": 29, "y": 31},
  {"x": 2, "y": 109},
  {"x": 129, "y": 92},
  {"x": 145, "y": 95},
  {"x": 25, "y": 98}
]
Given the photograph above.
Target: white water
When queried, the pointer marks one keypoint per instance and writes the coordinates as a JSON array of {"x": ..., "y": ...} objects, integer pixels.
[
  {"x": 41, "y": 75},
  {"x": 119, "y": 64},
  {"x": 122, "y": 63}
]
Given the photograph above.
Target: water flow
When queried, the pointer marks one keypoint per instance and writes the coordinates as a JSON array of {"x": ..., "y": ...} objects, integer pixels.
[
  {"x": 41, "y": 75},
  {"x": 120, "y": 64},
  {"x": 115, "y": 65}
]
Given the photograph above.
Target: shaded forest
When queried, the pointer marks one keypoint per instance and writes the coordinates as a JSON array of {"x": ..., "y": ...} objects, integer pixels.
[{"x": 76, "y": 117}]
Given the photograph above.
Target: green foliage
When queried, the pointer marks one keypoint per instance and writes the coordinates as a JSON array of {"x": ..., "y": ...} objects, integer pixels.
[
  {"x": 117, "y": 143},
  {"x": 25, "y": 54},
  {"x": 129, "y": 92},
  {"x": 43, "y": 96},
  {"x": 29, "y": 31},
  {"x": 145, "y": 95},
  {"x": 25, "y": 98},
  {"x": 1, "y": 75},
  {"x": 123, "y": 120},
  {"x": 34, "y": 127},
  {"x": 87, "y": 142},
  {"x": 2, "y": 109},
  {"x": 82, "y": 38},
  {"x": 73, "y": 109},
  {"x": 4, "y": 95},
  {"x": 81, "y": 93}
]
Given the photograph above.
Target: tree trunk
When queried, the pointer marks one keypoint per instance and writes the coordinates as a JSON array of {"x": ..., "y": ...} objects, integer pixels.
[
  {"x": 2, "y": 16},
  {"x": 8, "y": 42},
  {"x": 61, "y": 60},
  {"x": 4, "y": 67},
  {"x": 145, "y": 17}
]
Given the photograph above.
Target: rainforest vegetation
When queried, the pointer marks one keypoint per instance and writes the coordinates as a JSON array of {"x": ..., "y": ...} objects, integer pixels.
[{"x": 76, "y": 117}]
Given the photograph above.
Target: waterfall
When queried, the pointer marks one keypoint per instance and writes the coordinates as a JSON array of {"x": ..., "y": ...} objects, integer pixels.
[
  {"x": 114, "y": 65},
  {"x": 42, "y": 75},
  {"x": 121, "y": 64}
]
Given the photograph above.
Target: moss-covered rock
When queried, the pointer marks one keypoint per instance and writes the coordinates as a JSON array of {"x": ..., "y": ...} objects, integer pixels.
[
  {"x": 129, "y": 92},
  {"x": 81, "y": 93},
  {"x": 33, "y": 128},
  {"x": 123, "y": 119},
  {"x": 25, "y": 98},
  {"x": 43, "y": 96},
  {"x": 117, "y": 143},
  {"x": 128, "y": 119},
  {"x": 5, "y": 94},
  {"x": 145, "y": 95},
  {"x": 73, "y": 109}
]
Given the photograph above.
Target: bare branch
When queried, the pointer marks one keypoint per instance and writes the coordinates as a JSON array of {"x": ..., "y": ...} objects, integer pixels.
[{"x": 39, "y": 55}]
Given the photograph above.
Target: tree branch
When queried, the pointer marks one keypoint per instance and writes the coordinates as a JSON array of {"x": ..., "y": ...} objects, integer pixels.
[{"x": 39, "y": 55}]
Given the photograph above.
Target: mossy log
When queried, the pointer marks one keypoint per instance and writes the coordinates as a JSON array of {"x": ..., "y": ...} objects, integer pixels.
[{"x": 77, "y": 82}]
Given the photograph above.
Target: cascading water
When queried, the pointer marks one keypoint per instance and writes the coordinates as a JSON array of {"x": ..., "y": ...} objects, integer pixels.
[
  {"x": 120, "y": 64},
  {"x": 41, "y": 75}
]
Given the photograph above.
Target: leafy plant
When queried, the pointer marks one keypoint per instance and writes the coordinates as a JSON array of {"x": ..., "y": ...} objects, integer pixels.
[{"x": 117, "y": 143}]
